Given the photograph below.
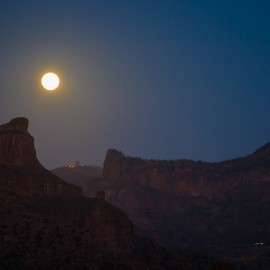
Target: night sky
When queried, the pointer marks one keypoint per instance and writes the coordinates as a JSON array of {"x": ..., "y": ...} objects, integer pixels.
[{"x": 154, "y": 79}]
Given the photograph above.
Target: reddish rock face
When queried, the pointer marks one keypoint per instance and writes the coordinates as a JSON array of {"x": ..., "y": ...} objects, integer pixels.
[
  {"x": 16, "y": 144},
  {"x": 238, "y": 179},
  {"x": 40, "y": 205},
  {"x": 20, "y": 170},
  {"x": 221, "y": 207}
]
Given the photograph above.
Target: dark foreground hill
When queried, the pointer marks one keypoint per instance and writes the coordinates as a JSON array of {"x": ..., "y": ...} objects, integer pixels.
[
  {"x": 223, "y": 208},
  {"x": 45, "y": 223}
]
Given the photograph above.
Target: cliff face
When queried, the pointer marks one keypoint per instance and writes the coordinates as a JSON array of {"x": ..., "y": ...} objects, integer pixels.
[
  {"x": 20, "y": 170},
  {"x": 45, "y": 222},
  {"x": 240, "y": 179},
  {"x": 223, "y": 207},
  {"x": 16, "y": 144}
]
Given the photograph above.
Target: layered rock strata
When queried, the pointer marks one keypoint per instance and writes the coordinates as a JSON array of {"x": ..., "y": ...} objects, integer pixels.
[
  {"x": 244, "y": 179},
  {"x": 46, "y": 223},
  {"x": 20, "y": 170}
]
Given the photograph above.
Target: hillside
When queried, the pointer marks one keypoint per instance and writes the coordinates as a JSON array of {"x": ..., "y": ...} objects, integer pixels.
[
  {"x": 45, "y": 223},
  {"x": 222, "y": 208}
]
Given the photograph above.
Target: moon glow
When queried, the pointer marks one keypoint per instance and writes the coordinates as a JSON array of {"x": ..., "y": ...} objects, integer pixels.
[{"x": 50, "y": 81}]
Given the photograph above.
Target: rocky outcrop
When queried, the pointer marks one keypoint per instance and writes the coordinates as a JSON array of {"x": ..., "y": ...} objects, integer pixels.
[
  {"x": 16, "y": 144},
  {"x": 223, "y": 207},
  {"x": 20, "y": 170},
  {"x": 46, "y": 224},
  {"x": 45, "y": 220},
  {"x": 245, "y": 179}
]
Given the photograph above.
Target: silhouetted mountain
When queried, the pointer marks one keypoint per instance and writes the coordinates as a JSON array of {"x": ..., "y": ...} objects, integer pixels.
[
  {"x": 20, "y": 170},
  {"x": 222, "y": 207},
  {"x": 45, "y": 223}
]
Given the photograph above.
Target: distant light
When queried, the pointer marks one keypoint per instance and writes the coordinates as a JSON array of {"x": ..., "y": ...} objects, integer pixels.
[{"x": 258, "y": 244}]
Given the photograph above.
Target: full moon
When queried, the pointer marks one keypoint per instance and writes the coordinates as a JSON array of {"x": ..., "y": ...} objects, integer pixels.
[{"x": 50, "y": 81}]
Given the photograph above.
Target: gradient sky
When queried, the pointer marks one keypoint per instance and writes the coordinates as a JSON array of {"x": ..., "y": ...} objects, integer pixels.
[{"x": 154, "y": 79}]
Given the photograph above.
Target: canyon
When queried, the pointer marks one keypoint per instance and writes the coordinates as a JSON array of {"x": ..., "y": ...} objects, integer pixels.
[
  {"x": 46, "y": 223},
  {"x": 222, "y": 208}
]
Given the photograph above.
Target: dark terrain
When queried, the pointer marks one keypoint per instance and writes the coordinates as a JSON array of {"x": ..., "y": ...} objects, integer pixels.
[
  {"x": 45, "y": 223},
  {"x": 219, "y": 208}
]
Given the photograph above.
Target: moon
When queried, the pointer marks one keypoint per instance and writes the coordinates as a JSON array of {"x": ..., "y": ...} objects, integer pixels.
[{"x": 50, "y": 81}]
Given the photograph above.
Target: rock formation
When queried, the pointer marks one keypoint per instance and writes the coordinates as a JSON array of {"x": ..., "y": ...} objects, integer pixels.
[
  {"x": 16, "y": 144},
  {"x": 45, "y": 221},
  {"x": 222, "y": 207},
  {"x": 46, "y": 224},
  {"x": 243, "y": 179},
  {"x": 20, "y": 170}
]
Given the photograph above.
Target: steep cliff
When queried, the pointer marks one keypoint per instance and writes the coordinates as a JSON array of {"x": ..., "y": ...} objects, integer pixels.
[
  {"x": 243, "y": 179},
  {"x": 45, "y": 222},
  {"x": 222, "y": 207},
  {"x": 20, "y": 170},
  {"x": 16, "y": 144}
]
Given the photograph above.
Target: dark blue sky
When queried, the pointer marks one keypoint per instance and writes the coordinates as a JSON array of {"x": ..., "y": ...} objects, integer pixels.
[{"x": 155, "y": 79}]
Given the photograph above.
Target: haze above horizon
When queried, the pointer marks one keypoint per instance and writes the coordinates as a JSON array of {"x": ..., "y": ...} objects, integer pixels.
[{"x": 153, "y": 79}]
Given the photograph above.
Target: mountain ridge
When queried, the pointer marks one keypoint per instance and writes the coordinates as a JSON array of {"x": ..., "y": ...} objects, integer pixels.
[
  {"x": 193, "y": 178},
  {"x": 46, "y": 223},
  {"x": 221, "y": 207}
]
